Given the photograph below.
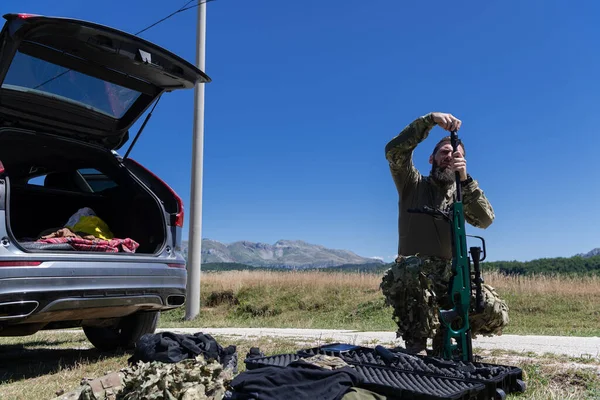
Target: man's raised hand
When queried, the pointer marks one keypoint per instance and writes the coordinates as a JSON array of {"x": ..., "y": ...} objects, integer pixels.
[{"x": 446, "y": 121}]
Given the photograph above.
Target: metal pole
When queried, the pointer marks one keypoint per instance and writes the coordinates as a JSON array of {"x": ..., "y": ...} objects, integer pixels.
[{"x": 192, "y": 306}]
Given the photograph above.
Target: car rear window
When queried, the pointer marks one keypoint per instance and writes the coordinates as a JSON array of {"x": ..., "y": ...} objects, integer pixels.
[
  {"x": 96, "y": 181},
  {"x": 30, "y": 74}
]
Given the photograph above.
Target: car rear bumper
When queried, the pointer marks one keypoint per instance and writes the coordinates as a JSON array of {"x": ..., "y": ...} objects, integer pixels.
[{"x": 87, "y": 291}]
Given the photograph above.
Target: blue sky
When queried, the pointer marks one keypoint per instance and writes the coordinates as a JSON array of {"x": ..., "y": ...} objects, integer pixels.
[{"x": 305, "y": 95}]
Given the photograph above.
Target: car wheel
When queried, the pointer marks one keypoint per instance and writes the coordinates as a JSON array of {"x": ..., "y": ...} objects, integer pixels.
[{"x": 125, "y": 334}]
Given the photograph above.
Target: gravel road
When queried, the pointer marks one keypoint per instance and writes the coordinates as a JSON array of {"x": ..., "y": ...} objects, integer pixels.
[{"x": 561, "y": 345}]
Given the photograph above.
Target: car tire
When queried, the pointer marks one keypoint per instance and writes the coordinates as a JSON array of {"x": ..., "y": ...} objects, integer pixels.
[{"x": 128, "y": 331}]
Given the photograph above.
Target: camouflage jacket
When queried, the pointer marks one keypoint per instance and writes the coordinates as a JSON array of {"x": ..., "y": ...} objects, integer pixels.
[{"x": 420, "y": 233}]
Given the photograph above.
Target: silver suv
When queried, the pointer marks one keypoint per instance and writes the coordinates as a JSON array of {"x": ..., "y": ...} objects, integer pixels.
[{"x": 88, "y": 238}]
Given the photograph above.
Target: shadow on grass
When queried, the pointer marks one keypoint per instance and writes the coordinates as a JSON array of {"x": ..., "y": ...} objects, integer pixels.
[{"x": 20, "y": 362}]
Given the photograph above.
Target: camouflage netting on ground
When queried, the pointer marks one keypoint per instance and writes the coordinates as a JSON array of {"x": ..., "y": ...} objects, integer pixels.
[
  {"x": 186, "y": 380},
  {"x": 191, "y": 379}
]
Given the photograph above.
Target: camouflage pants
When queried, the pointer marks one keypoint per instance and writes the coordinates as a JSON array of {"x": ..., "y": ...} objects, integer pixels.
[{"x": 418, "y": 287}]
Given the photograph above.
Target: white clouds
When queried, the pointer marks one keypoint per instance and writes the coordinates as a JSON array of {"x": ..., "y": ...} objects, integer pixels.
[{"x": 385, "y": 258}]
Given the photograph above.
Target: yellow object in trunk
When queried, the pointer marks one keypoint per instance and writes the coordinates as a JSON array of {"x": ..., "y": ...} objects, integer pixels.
[{"x": 93, "y": 225}]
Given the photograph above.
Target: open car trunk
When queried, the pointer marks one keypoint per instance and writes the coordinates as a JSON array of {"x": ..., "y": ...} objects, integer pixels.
[
  {"x": 88, "y": 84},
  {"x": 54, "y": 178}
]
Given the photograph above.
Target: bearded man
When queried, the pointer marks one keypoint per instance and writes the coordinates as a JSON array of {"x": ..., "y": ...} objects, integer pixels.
[{"x": 416, "y": 286}]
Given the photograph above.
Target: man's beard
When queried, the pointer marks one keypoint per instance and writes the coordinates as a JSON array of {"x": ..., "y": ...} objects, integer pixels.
[{"x": 444, "y": 175}]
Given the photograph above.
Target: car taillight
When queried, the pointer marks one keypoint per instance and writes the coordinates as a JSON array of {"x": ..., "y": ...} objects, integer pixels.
[
  {"x": 25, "y": 15},
  {"x": 20, "y": 263},
  {"x": 180, "y": 212}
]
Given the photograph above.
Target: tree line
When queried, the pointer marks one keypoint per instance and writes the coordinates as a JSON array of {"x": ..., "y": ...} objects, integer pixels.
[
  {"x": 576, "y": 265},
  {"x": 559, "y": 265}
]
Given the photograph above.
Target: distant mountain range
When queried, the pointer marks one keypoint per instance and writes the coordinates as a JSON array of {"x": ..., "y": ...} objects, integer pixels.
[
  {"x": 297, "y": 254},
  {"x": 282, "y": 254},
  {"x": 592, "y": 253}
]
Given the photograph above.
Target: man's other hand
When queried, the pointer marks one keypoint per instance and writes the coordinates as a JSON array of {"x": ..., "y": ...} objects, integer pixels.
[
  {"x": 459, "y": 164},
  {"x": 446, "y": 121}
]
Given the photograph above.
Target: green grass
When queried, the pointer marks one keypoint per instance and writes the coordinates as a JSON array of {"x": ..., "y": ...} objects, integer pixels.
[
  {"x": 538, "y": 305},
  {"x": 547, "y": 381},
  {"x": 549, "y": 314},
  {"x": 47, "y": 363}
]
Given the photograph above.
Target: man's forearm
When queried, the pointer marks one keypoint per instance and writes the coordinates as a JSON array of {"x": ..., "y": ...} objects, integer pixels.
[
  {"x": 399, "y": 151},
  {"x": 408, "y": 139},
  {"x": 477, "y": 208}
]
